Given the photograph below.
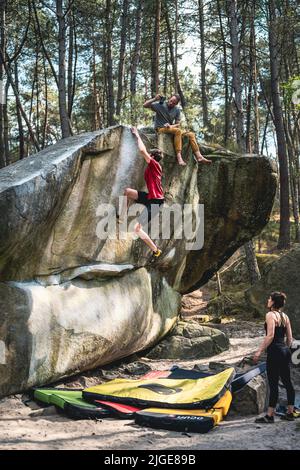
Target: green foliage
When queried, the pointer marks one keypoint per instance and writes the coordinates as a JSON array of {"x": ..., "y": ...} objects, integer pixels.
[
  {"x": 292, "y": 92},
  {"x": 37, "y": 45}
]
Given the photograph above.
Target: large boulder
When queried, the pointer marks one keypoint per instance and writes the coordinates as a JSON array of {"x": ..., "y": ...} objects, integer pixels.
[
  {"x": 234, "y": 212},
  {"x": 281, "y": 275},
  {"x": 71, "y": 300},
  {"x": 189, "y": 340},
  {"x": 58, "y": 330}
]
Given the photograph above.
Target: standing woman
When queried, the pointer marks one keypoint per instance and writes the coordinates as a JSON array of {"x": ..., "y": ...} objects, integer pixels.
[{"x": 277, "y": 342}]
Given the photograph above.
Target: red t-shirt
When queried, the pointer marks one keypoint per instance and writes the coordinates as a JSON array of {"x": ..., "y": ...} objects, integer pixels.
[{"x": 152, "y": 177}]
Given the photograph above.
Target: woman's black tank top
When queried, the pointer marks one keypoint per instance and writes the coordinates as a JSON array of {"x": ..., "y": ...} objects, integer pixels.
[{"x": 279, "y": 335}]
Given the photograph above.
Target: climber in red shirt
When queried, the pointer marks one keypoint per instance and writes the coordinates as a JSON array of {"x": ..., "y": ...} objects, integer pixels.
[{"x": 152, "y": 199}]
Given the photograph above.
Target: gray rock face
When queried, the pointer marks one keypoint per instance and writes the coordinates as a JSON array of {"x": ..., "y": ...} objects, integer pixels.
[
  {"x": 281, "y": 275},
  {"x": 59, "y": 330},
  {"x": 70, "y": 301},
  {"x": 252, "y": 398},
  {"x": 189, "y": 340}
]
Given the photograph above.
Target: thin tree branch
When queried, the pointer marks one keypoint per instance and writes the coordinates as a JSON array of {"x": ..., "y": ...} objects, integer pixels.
[
  {"x": 49, "y": 8},
  {"x": 69, "y": 8},
  {"x": 43, "y": 45},
  {"x": 12, "y": 83}
]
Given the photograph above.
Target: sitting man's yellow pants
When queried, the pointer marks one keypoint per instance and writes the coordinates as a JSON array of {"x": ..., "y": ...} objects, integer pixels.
[{"x": 178, "y": 134}]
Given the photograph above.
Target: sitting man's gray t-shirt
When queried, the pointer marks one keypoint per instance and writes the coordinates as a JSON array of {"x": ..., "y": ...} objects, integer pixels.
[{"x": 164, "y": 114}]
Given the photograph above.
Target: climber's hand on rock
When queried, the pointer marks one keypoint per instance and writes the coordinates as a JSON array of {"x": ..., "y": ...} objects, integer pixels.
[{"x": 134, "y": 131}]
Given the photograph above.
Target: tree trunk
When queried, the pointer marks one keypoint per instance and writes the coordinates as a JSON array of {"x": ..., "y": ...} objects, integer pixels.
[
  {"x": 6, "y": 125},
  {"x": 251, "y": 261},
  {"x": 226, "y": 81},
  {"x": 173, "y": 58},
  {"x": 19, "y": 118},
  {"x": 109, "y": 66},
  {"x": 249, "y": 109},
  {"x": 265, "y": 133},
  {"x": 166, "y": 73},
  {"x": 295, "y": 202},
  {"x": 252, "y": 90},
  {"x": 94, "y": 114},
  {"x": 62, "y": 93},
  {"x": 137, "y": 45},
  {"x": 155, "y": 49},
  {"x": 124, "y": 22},
  {"x": 37, "y": 96},
  {"x": 45, "y": 125},
  {"x": 284, "y": 231},
  {"x": 236, "y": 77},
  {"x": 40, "y": 34},
  {"x": 70, "y": 64},
  {"x": 203, "y": 67},
  {"x": 255, "y": 90},
  {"x": 75, "y": 60},
  {"x": 219, "y": 285},
  {"x": 2, "y": 91},
  {"x": 96, "y": 124},
  {"x": 292, "y": 176},
  {"x": 296, "y": 140}
]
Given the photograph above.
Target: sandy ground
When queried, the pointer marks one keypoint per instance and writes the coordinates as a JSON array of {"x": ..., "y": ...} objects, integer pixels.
[{"x": 30, "y": 427}]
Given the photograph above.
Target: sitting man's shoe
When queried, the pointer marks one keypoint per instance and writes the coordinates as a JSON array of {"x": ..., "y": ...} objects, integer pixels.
[
  {"x": 157, "y": 253},
  {"x": 288, "y": 417},
  {"x": 265, "y": 420}
]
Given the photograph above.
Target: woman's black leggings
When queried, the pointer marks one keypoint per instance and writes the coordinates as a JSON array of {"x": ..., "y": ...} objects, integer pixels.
[{"x": 278, "y": 366}]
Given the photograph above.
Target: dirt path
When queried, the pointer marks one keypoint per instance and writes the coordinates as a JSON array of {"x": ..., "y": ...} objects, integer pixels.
[
  {"x": 24, "y": 428},
  {"x": 19, "y": 431}
]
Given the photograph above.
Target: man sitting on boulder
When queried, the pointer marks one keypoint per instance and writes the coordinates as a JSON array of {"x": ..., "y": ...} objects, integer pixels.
[
  {"x": 152, "y": 200},
  {"x": 167, "y": 121}
]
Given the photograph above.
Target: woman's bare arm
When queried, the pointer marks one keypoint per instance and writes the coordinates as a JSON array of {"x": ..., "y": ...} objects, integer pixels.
[{"x": 289, "y": 334}]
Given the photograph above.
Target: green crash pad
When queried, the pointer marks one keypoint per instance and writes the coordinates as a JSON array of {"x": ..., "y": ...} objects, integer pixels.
[{"x": 71, "y": 402}]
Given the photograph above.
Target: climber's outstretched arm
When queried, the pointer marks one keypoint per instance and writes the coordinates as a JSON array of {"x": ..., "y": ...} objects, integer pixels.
[{"x": 141, "y": 145}]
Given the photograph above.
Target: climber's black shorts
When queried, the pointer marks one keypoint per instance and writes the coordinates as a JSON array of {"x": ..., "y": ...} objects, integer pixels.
[{"x": 152, "y": 207}]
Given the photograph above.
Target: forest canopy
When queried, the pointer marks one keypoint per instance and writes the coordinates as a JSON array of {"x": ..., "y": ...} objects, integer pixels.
[{"x": 72, "y": 66}]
